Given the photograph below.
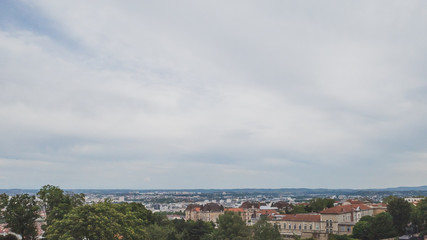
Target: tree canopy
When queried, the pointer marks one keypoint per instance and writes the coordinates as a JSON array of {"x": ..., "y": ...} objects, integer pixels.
[
  {"x": 400, "y": 210},
  {"x": 20, "y": 214}
]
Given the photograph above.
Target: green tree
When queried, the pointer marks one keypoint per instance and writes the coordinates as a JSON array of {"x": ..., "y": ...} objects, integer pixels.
[
  {"x": 387, "y": 199},
  {"x": 101, "y": 221},
  {"x": 400, "y": 210},
  {"x": 20, "y": 214},
  {"x": 419, "y": 215},
  {"x": 362, "y": 230},
  {"x": 298, "y": 209},
  {"x": 319, "y": 204},
  {"x": 56, "y": 203},
  {"x": 262, "y": 230},
  {"x": 231, "y": 227},
  {"x": 196, "y": 230},
  {"x": 382, "y": 226}
]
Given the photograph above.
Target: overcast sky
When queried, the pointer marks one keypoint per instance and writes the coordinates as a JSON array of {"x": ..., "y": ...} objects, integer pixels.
[{"x": 213, "y": 94}]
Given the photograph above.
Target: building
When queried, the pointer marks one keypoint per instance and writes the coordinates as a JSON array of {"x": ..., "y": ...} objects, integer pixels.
[
  {"x": 336, "y": 220},
  {"x": 208, "y": 212},
  {"x": 341, "y": 219},
  {"x": 291, "y": 225}
]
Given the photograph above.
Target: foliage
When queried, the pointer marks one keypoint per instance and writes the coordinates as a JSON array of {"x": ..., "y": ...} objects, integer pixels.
[
  {"x": 101, "y": 221},
  {"x": 231, "y": 227},
  {"x": 388, "y": 199},
  {"x": 319, "y": 204},
  {"x": 262, "y": 230},
  {"x": 382, "y": 226},
  {"x": 298, "y": 209},
  {"x": 362, "y": 230},
  {"x": 400, "y": 210},
  {"x": 419, "y": 215},
  {"x": 56, "y": 203},
  {"x": 20, "y": 215},
  {"x": 8, "y": 237},
  {"x": 372, "y": 228},
  {"x": 339, "y": 237}
]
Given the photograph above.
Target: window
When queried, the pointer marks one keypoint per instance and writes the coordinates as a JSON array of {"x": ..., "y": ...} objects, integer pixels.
[
  {"x": 305, "y": 227},
  {"x": 299, "y": 227},
  {"x": 348, "y": 229},
  {"x": 311, "y": 227},
  {"x": 295, "y": 226},
  {"x": 284, "y": 226},
  {"x": 290, "y": 227}
]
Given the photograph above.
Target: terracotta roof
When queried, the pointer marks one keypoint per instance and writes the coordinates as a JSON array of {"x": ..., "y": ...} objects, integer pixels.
[
  {"x": 190, "y": 207},
  {"x": 208, "y": 207},
  {"x": 281, "y": 204},
  {"x": 252, "y": 205},
  {"x": 301, "y": 217},
  {"x": 234, "y": 210},
  {"x": 345, "y": 209}
]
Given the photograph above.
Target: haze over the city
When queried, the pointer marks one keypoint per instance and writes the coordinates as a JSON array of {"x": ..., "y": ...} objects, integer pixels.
[{"x": 213, "y": 94}]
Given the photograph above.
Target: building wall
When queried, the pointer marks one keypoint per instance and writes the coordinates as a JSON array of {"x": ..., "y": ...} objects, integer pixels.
[{"x": 296, "y": 227}]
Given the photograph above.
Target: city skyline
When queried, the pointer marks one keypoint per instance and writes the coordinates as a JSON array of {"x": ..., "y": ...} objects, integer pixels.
[{"x": 199, "y": 95}]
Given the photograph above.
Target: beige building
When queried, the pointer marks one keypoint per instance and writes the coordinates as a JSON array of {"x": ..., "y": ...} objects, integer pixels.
[
  {"x": 208, "y": 212},
  {"x": 291, "y": 225},
  {"x": 341, "y": 219},
  {"x": 336, "y": 220}
]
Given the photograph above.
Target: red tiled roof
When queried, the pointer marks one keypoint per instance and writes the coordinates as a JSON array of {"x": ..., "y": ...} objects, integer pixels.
[
  {"x": 345, "y": 209},
  {"x": 267, "y": 211},
  {"x": 234, "y": 210}
]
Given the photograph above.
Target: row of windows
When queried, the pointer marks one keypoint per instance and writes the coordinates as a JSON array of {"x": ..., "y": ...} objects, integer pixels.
[{"x": 299, "y": 226}]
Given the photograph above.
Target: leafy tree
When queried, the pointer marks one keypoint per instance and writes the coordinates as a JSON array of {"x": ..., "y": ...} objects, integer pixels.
[
  {"x": 339, "y": 237},
  {"x": 400, "y": 210},
  {"x": 197, "y": 230},
  {"x": 319, "y": 204},
  {"x": 156, "y": 232},
  {"x": 419, "y": 215},
  {"x": 56, "y": 203},
  {"x": 387, "y": 199},
  {"x": 232, "y": 227},
  {"x": 298, "y": 209},
  {"x": 262, "y": 230},
  {"x": 382, "y": 226},
  {"x": 362, "y": 230},
  {"x": 20, "y": 215},
  {"x": 101, "y": 221}
]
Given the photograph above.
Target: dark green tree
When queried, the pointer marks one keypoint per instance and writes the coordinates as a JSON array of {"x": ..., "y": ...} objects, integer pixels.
[
  {"x": 419, "y": 216},
  {"x": 400, "y": 210},
  {"x": 387, "y": 199},
  {"x": 231, "y": 227},
  {"x": 21, "y": 212},
  {"x": 101, "y": 221},
  {"x": 196, "y": 230},
  {"x": 299, "y": 209},
  {"x": 263, "y": 230},
  {"x": 362, "y": 230},
  {"x": 57, "y": 203},
  {"x": 382, "y": 227},
  {"x": 319, "y": 204}
]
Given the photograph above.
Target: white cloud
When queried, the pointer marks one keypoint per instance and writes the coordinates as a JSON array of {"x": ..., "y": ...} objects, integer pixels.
[{"x": 153, "y": 87}]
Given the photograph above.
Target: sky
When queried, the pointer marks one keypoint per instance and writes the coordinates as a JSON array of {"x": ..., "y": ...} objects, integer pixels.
[{"x": 213, "y": 94}]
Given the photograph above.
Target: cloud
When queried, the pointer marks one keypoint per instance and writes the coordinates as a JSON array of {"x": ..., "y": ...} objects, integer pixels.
[{"x": 113, "y": 94}]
